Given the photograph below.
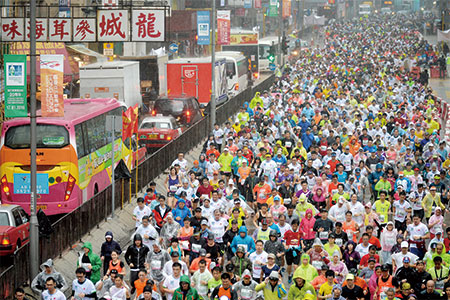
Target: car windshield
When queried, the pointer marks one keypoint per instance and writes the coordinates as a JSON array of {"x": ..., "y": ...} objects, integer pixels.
[
  {"x": 157, "y": 125},
  {"x": 169, "y": 105},
  {"x": 4, "y": 220},
  {"x": 48, "y": 136}
]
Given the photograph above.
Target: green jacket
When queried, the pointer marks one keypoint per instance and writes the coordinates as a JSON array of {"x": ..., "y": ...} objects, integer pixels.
[
  {"x": 271, "y": 294},
  {"x": 96, "y": 263},
  {"x": 296, "y": 293},
  {"x": 191, "y": 293},
  {"x": 240, "y": 265}
]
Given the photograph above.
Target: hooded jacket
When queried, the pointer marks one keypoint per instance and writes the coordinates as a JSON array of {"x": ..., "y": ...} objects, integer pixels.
[
  {"x": 191, "y": 293},
  {"x": 307, "y": 272},
  {"x": 181, "y": 212},
  {"x": 307, "y": 225},
  {"x": 298, "y": 293},
  {"x": 156, "y": 261},
  {"x": 256, "y": 99},
  {"x": 243, "y": 290},
  {"x": 270, "y": 292},
  {"x": 96, "y": 263},
  {"x": 38, "y": 284},
  {"x": 246, "y": 240},
  {"x": 108, "y": 247},
  {"x": 135, "y": 255}
]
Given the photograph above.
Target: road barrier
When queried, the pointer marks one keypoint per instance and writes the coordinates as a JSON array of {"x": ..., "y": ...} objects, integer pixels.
[{"x": 69, "y": 229}]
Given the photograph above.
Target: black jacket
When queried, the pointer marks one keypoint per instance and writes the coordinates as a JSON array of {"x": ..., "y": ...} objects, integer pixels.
[
  {"x": 135, "y": 255},
  {"x": 108, "y": 247}
]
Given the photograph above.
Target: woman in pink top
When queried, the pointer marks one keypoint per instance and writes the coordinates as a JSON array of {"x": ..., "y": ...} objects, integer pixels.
[
  {"x": 306, "y": 226},
  {"x": 436, "y": 222}
]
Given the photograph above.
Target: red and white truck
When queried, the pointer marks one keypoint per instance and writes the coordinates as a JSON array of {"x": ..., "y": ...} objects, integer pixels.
[{"x": 192, "y": 77}]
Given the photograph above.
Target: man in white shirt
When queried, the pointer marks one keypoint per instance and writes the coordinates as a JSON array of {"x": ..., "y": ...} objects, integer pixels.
[
  {"x": 82, "y": 287},
  {"x": 397, "y": 258},
  {"x": 172, "y": 282},
  {"x": 363, "y": 248},
  {"x": 52, "y": 293},
  {"x": 258, "y": 259},
  {"x": 357, "y": 210},
  {"x": 218, "y": 226},
  {"x": 140, "y": 211},
  {"x": 182, "y": 162},
  {"x": 175, "y": 258},
  {"x": 417, "y": 232},
  {"x": 148, "y": 232},
  {"x": 200, "y": 279}
]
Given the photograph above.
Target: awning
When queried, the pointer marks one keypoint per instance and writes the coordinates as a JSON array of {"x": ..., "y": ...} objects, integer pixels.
[
  {"x": 82, "y": 49},
  {"x": 71, "y": 71}
]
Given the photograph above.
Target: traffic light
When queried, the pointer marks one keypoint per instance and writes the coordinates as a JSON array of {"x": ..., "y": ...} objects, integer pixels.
[
  {"x": 284, "y": 45},
  {"x": 271, "y": 56}
]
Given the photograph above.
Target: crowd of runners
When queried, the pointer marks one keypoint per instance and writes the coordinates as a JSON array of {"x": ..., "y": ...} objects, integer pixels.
[{"x": 333, "y": 184}]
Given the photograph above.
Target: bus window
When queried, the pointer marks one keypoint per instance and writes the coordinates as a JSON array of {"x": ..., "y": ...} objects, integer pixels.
[
  {"x": 79, "y": 135},
  {"x": 264, "y": 51},
  {"x": 231, "y": 70},
  {"x": 48, "y": 136},
  {"x": 96, "y": 132},
  {"x": 242, "y": 67}
]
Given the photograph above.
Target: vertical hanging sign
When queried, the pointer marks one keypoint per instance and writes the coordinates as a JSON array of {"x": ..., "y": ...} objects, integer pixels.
[
  {"x": 203, "y": 28},
  {"x": 15, "y": 86},
  {"x": 273, "y": 8},
  {"x": 286, "y": 8},
  {"x": 52, "y": 73},
  {"x": 223, "y": 27}
]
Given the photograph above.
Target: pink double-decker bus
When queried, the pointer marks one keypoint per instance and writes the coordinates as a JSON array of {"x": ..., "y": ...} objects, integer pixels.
[{"x": 73, "y": 156}]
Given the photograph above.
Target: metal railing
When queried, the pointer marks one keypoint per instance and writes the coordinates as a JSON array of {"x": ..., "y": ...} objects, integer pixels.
[{"x": 73, "y": 226}]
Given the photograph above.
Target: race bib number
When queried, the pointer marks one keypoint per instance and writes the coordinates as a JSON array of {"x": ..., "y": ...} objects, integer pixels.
[
  {"x": 317, "y": 264},
  {"x": 288, "y": 144},
  {"x": 350, "y": 234},
  {"x": 382, "y": 218},
  {"x": 196, "y": 248},
  {"x": 184, "y": 245},
  {"x": 323, "y": 235},
  {"x": 262, "y": 196},
  {"x": 173, "y": 188},
  {"x": 390, "y": 241},
  {"x": 339, "y": 242},
  {"x": 156, "y": 265},
  {"x": 246, "y": 294}
]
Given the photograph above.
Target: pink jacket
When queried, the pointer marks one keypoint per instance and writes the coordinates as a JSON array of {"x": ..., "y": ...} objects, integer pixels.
[{"x": 307, "y": 224}]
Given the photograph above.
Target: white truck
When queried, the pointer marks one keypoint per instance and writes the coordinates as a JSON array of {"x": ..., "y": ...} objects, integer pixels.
[
  {"x": 365, "y": 9},
  {"x": 112, "y": 79}
]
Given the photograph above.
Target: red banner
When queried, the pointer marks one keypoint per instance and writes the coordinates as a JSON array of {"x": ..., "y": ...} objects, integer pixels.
[
  {"x": 223, "y": 27},
  {"x": 258, "y": 4},
  {"x": 52, "y": 73}
]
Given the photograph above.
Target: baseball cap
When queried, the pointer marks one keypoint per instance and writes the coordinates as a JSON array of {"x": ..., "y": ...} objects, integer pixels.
[
  {"x": 204, "y": 222},
  {"x": 271, "y": 255},
  {"x": 114, "y": 271},
  {"x": 406, "y": 286},
  {"x": 406, "y": 259},
  {"x": 175, "y": 254},
  {"x": 273, "y": 274},
  {"x": 404, "y": 244},
  {"x": 384, "y": 267},
  {"x": 226, "y": 149},
  {"x": 350, "y": 277},
  {"x": 202, "y": 252}
]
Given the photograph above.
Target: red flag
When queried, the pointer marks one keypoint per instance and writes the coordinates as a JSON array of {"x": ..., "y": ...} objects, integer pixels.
[
  {"x": 135, "y": 118},
  {"x": 127, "y": 124}
]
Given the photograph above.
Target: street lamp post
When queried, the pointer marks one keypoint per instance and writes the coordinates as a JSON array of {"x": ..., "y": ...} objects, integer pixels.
[
  {"x": 34, "y": 230},
  {"x": 212, "y": 113}
]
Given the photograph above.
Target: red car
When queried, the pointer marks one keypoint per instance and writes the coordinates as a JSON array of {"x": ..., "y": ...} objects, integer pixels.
[
  {"x": 157, "y": 131},
  {"x": 14, "y": 228}
]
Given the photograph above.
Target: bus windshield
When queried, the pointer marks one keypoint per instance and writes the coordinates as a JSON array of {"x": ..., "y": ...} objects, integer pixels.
[
  {"x": 48, "y": 136},
  {"x": 264, "y": 51}
]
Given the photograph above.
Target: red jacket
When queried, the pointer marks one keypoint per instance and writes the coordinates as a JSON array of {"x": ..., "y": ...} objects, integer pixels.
[{"x": 159, "y": 217}]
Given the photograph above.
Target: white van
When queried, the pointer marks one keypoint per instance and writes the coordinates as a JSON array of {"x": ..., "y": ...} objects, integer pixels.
[
  {"x": 264, "y": 48},
  {"x": 236, "y": 65}
]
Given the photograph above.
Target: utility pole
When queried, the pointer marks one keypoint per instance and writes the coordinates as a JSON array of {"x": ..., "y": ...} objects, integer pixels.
[
  {"x": 212, "y": 113},
  {"x": 34, "y": 229},
  {"x": 280, "y": 30}
]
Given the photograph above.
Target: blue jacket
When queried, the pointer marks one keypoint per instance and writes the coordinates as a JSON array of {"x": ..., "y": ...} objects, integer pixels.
[
  {"x": 182, "y": 213},
  {"x": 247, "y": 240},
  {"x": 307, "y": 140}
]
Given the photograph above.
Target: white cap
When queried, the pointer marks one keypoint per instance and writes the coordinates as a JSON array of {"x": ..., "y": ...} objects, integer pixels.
[{"x": 404, "y": 244}]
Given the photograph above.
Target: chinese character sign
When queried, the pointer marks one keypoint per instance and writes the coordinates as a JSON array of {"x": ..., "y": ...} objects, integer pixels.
[
  {"x": 223, "y": 27},
  {"x": 148, "y": 25},
  {"x": 60, "y": 30},
  {"x": 84, "y": 30},
  {"x": 22, "y": 182},
  {"x": 15, "y": 85},
  {"x": 52, "y": 73},
  {"x": 41, "y": 30},
  {"x": 112, "y": 25},
  {"x": 248, "y": 3},
  {"x": 203, "y": 28},
  {"x": 13, "y": 30},
  {"x": 273, "y": 8}
]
